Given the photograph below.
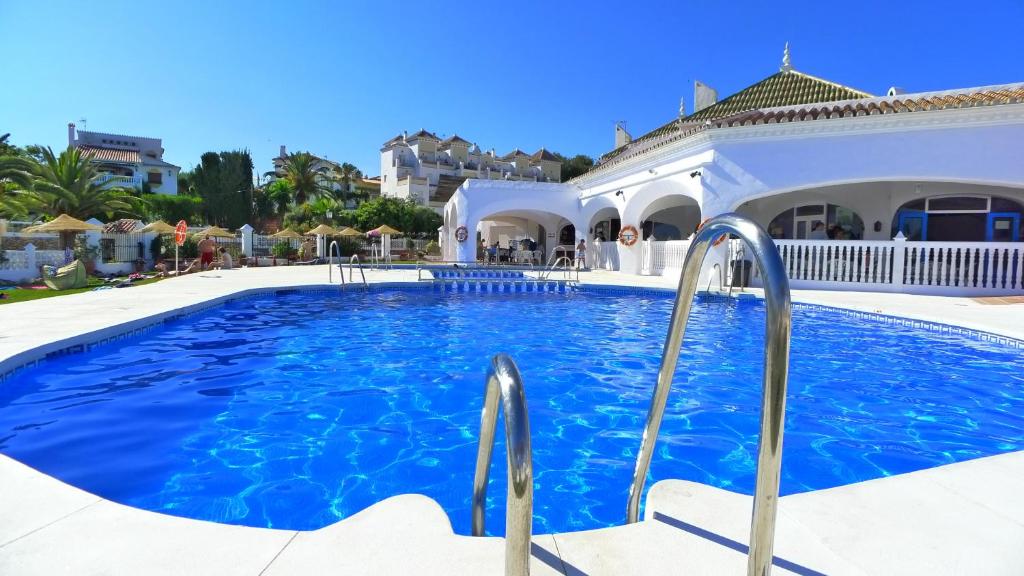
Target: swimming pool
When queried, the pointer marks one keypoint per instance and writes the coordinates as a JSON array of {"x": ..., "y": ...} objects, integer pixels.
[{"x": 295, "y": 410}]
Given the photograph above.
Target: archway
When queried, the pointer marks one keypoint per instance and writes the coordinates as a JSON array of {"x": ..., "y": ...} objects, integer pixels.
[
  {"x": 817, "y": 221},
  {"x": 673, "y": 217},
  {"x": 523, "y": 235}
]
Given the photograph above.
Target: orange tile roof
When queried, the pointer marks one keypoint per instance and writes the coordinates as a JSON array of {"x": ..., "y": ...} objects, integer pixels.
[{"x": 111, "y": 154}]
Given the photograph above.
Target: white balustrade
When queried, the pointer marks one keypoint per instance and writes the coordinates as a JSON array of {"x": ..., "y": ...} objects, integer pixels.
[
  {"x": 658, "y": 255},
  {"x": 901, "y": 266}
]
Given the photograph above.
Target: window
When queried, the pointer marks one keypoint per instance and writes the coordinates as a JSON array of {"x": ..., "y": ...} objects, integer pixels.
[
  {"x": 958, "y": 204},
  {"x": 155, "y": 178}
]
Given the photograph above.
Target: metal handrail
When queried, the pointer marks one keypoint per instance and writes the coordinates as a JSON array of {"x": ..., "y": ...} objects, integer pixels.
[
  {"x": 504, "y": 381},
  {"x": 546, "y": 274},
  {"x": 718, "y": 267},
  {"x": 355, "y": 258},
  {"x": 330, "y": 263},
  {"x": 776, "y": 367}
]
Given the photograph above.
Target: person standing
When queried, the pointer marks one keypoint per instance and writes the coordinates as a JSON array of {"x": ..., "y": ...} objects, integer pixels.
[
  {"x": 206, "y": 248},
  {"x": 581, "y": 254}
]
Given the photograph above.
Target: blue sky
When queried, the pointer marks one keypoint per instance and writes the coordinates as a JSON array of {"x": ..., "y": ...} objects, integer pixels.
[{"x": 338, "y": 79}]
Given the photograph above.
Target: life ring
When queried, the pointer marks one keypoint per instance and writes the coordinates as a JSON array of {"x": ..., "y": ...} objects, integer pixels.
[
  {"x": 628, "y": 235},
  {"x": 720, "y": 238},
  {"x": 461, "y": 233}
]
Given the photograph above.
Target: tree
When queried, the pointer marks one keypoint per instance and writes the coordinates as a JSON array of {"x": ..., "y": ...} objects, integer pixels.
[
  {"x": 575, "y": 166},
  {"x": 71, "y": 184},
  {"x": 345, "y": 175},
  {"x": 15, "y": 185},
  {"x": 306, "y": 179},
  {"x": 173, "y": 208},
  {"x": 280, "y": 193},
  {"x": 404, "y": 215},
  {"x": 224, "y": 182}
]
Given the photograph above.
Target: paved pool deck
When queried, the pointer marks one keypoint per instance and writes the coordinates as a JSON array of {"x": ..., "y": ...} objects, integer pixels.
[{"x": 965, "y": 518}]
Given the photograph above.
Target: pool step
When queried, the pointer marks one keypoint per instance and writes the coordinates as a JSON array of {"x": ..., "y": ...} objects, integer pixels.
[
  {"x": 472, "y": 274},
  {"x": 504, "y": 286}
]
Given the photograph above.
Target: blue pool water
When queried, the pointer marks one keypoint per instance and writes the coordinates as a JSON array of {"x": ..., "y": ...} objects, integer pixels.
[{"x": 295, "y": 410}]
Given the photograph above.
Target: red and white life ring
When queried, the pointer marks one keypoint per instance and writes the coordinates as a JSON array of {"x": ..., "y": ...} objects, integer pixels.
[
  {"x": 717, "y": 241},
  {"x": 628, "y": 235}
]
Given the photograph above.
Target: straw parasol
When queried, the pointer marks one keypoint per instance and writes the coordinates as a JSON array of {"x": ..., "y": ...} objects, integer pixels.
[
  {"x": 287, "y": 233},
  {"x": 158, "y": 227},
  {"x": 68, "y": 227},
  {"x": 64, "y": 223},
  {"x": 385, "y": 229},
  {"x": 215, "y": 232},
  {"x": 348, "y": 231},
  {"x": 322, "y": 230}
]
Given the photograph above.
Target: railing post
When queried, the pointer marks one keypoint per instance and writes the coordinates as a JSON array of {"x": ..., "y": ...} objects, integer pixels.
[
  {"x": 899, "y": 260},
  {"x": 246, "y": 231},
  {"x": 30, "y": 259}
]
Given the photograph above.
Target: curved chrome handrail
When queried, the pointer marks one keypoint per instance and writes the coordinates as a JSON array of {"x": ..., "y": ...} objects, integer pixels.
[
  {"x": 504, "y": 381},
  {"x": 351, "y": 261},
  {"x": 776, "y": 368},
  {"x": 546, "y": 274},
  {"x": 330, "y": 263}
]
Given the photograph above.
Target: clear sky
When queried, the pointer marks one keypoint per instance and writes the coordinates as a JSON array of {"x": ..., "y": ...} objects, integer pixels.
[{"x": 340, "y": 78}]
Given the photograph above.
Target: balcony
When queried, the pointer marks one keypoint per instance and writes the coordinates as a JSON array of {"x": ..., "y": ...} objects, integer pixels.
[{"x": 119, "y": 181}]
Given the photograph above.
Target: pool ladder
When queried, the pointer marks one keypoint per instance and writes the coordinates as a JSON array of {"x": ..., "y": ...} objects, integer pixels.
[
  {"x": 776, "y": 368},
  {"x": 341, "y": 266},
  {"x": 504, "y": 384}
]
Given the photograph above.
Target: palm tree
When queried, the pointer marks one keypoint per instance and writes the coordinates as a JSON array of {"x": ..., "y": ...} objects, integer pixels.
[
  {"x": 345, "y": 175},
  {"x": 306, "y": 179},
  {"x": 15, "y": 185},
  {"x": 70, "y": 184}
]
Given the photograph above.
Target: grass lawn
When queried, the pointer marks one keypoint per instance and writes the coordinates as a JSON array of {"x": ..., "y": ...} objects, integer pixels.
[{"x": 20, "y": 295}]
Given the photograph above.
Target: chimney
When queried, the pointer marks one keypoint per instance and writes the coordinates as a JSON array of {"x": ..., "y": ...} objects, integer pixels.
[
  {"x": 283, "y": 151},
  {"x": 703, "y": 96},
  {"x": 895, "y": 91},
  {"x": 405, "y": 135},
  {"x": 71, "y": 134},
  {"x": 621, "y": 136}
]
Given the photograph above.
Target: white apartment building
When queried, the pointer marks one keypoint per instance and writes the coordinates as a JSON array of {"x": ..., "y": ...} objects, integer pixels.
[
  {"x": 127, "y": 161},
  {"x": 429, "y": 170}
]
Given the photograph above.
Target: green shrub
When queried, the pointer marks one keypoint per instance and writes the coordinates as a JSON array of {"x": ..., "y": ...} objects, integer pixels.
[
  {"x": 190, "y": 249},
  {"x": 283, "y": 250},
  {"x": 433, "y": 248},
  {"x": 348, "y": 246}
]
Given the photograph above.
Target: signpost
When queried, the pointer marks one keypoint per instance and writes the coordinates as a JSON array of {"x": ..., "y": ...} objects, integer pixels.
[{"x": 180, "y": 233}]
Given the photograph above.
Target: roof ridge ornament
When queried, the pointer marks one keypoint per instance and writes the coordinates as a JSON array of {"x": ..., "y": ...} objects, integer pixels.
[
  {"x": 682, "y": 107},
  {"x": 786, "y": 64}
]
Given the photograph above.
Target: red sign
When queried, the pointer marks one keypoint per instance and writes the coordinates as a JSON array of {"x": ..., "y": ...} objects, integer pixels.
[{"x": 180, "y": 232}]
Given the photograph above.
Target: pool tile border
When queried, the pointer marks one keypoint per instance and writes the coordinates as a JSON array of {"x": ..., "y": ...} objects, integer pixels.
[{"x": 39, "y": 354}]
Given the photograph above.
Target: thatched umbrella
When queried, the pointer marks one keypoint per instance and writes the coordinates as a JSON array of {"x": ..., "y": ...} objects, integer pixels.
[
  {"x": 287, "y": 234},
  {"x": 385, "y": 230},
  {"x": 158, "y": 227},
  {"x": 68, "y": 228},
  {"x": 349, "y": 232},
  {"x": 214, "y": 232},
  {"x": 322, "y": 230}
]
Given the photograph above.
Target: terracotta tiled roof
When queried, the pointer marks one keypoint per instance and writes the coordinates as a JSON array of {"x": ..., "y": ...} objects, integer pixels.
[
  {"x": 896, "y": 104},
  {"x": 423, "y": 134},
  {"x": 543, "y": 154},
  {"x": 513, "y": 154},
  {"x": 455, "y": 138},
  {"x": 122, "y": 226},
  {"x": 111, "y": 154},
  {"x": 784, "y": 88}
]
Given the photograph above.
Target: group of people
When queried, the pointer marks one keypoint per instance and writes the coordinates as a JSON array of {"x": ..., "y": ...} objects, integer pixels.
[
  {"x": 494, "y": 252},
  {"x": 207, "y": 249},
  {"x": 833, "y": 232}
]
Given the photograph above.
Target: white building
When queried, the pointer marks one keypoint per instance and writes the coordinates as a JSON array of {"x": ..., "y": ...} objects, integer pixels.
[
  {"x": 128, "y": 161},
  {"x": 428, "y": 169},
  {"x": 940, "y": 171}
]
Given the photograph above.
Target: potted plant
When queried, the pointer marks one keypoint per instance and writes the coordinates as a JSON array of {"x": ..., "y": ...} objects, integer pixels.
[{"x": 243, "y": 260}]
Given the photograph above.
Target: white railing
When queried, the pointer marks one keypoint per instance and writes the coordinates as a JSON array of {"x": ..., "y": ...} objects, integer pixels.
[
  {"x": 119, "y": 180},
  {"x": 658, "y": 255},
  {"x": 956, "y": 268},
  {"x": 606, "y": 256}
]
